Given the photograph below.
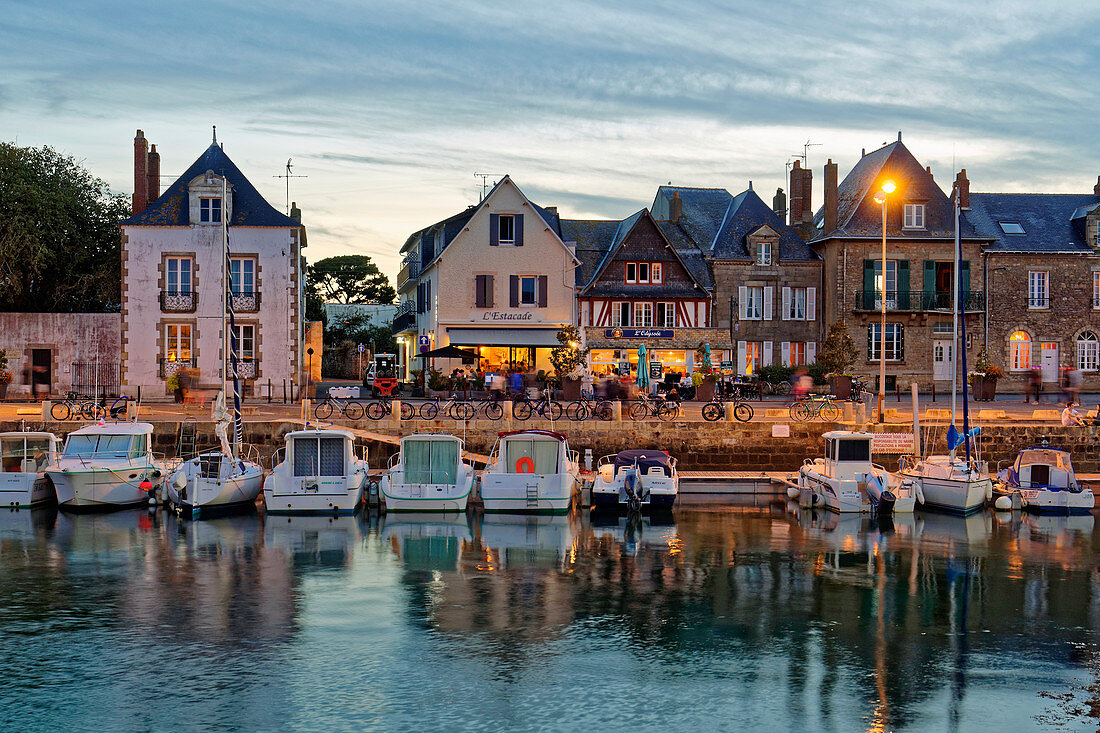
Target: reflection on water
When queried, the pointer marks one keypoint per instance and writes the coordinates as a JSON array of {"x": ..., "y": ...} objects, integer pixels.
[{"x": 772, "y": 617}]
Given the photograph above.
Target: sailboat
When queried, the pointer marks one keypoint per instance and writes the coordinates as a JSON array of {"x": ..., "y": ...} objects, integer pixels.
[
  {"x": 948, "y": 482},
  {"x": 220, "y": 481}
]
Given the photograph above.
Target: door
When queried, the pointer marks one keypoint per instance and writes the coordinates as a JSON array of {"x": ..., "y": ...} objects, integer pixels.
[
  {"x": 42, "y": 369},
  {"x": 1048, "y": 361},
  {"x": 942, "y": 355}
]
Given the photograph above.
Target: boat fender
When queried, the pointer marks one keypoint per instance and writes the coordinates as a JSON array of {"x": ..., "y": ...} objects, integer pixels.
[
  {"x": 792, "y": 492},
  {"x": 989, "y": 492},
  {"x": 1003, "y": 503},
  {"x": 181, "y": 481},
  {"x": 146, "y": 485},
  {"x": 886, "y": 502},
  {"x": 919, "y": 492},
  {"x": 525, "y": 465}
]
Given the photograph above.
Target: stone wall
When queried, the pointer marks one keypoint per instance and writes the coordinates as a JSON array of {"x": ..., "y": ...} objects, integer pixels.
[{"x": 69, "y": 337}]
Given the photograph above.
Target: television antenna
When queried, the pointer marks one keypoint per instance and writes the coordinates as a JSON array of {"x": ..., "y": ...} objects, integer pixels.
[
  {"x": 288, "y": 175},
  {"x": 485, "y": 182},
  {"x": 803, "y": 155}
]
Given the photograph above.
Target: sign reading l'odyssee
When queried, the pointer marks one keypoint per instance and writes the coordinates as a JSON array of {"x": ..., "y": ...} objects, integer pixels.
[{"x": 639, "y": 333}]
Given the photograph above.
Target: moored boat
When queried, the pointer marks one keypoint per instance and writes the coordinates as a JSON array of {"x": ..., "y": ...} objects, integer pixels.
[
  {"x": 427, "y": 474},
  {"x": 636, "y": 480},
  {"x": 949, "y": 483},
  {"x": 24, "y": 458},
  {"x": 106, "y": 467},
  {"x": 1046, "y": 482},
  {"x": 530, "y": 472},
  {"x": 845, "y": 479},
  {"x": 319, "y": 474},
  {"x": 214, "y": 483}
]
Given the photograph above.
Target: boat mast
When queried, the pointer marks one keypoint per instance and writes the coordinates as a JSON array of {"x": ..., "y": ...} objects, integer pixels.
[
  {"x": 955, "y": 314},
  {"x": 225, "y": 293}
]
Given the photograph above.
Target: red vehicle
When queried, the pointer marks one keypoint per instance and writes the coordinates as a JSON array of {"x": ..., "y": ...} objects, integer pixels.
[{"x": 381, "y": 377}]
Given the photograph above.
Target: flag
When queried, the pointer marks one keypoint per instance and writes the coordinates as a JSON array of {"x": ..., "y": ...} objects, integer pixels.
[{"x": 954, "y": 437}]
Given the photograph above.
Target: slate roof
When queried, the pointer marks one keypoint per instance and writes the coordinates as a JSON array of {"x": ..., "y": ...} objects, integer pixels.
[
  {"x": 250, "y": 209},
  {"x": 690, "y": 255},
  {"x": 1052, "y": 222},
  {"x": 704, "y": 209},
  {"x": 593, "y": 238}
]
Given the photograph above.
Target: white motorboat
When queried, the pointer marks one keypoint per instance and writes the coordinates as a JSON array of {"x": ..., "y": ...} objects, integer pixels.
[
  {"x": 106, "y": 466},
  {"x": 24, "y": 458},
  {"x": 427, "y": 474},
  {"x": 214, "y": 483},
  {"x": 949, "y": 483},
  {"x": 636, "y": 479},
  {"x": 1046, "y": 482},
  {"x": 319, "y": 474},
  {"x": 530, "y": 472},
  {"x": 845, "y": 479}
]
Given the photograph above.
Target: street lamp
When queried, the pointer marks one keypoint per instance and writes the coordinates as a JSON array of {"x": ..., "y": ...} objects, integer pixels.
[{"x": 880, "y": 198}]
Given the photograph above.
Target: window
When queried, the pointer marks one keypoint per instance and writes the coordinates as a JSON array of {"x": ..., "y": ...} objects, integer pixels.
[
  {"x": 620, "y": 315},
  {"x": 1011, "y": 227},
  {"x": 754, "y": 355},
  {"x": 1096, "y": 290},
  {"x": 318, "y": 456},
  {"x": 797, "y": 310},
  {"x": 177, "y": 341},
  {"x": 1088, "y": 352},
  {"x": 891, "y": 283},
  {"x": 632, "y": 272},
  {"x": 658, "y": 276},
  {"x": 1038, "y": 290},
  {"x": 643, "y": 315},
  {"x": 753, "y": 308},
  {"x": 528, "y": 290},
  {"x": 666, "y": 315},
  {"x": 914, "y": 216},
  {"x": 210, "y": 210},
  {"x": 506, "y": 229},
  {"x": 178, "y": 275},
  {"x": 1019, "y": 351},
  {"x": 242, "y": 275},
  {"x": 895, "y": 341},
  {"x": 643, "y": 272},
  {"x": 764, "y": 252},
  {"x": 797, "y": 353},
  {"x": 246, "y": 342}
]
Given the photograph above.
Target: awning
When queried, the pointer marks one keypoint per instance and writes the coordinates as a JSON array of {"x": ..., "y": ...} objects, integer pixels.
[{"x": 504, "y": 336}]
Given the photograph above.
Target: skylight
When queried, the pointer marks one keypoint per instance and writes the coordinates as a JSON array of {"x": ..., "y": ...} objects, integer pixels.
[{"x": 1011, "y": 227}]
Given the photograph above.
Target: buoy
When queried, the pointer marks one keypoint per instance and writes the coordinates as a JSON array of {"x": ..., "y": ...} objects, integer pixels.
[
  {"x": 1003, "y": 503},
  {"x": 525, "y": 465}
]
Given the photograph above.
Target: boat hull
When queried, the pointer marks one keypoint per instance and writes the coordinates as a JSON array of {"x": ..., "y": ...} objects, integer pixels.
[
  {"x": 205, "y": 496},
  {"x": 509, "y": 493},
  {"x": 955, "y": 496},
  {"x": 442, "y": 498},
  {"x": 23, "y": 490},
  {"x": 1045, "y": 501},
  {"x": 331, "y": 497},
  {"x": 102, "y": 489}
]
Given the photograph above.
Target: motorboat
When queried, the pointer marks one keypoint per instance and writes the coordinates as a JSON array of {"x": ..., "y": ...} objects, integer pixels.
[
  {"x": 427, "y": 474},
  {"x": 1046, "y": 482},
  {"x": 845, "y": 479},
  {"x": 24, "y": 457},
  {"x": 106, "y": 466},
  {"x": 213, "y": 483},
  {"x": 635, "y": 480},
  {"x": 530, "y": 472},
  {"x": 319, "y": 474},
  {"x": 949, "y": 483}
]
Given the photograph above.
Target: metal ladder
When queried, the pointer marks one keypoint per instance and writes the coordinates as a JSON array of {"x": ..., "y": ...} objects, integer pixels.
[
  {"x": 187, "y": 439},
  {"x": 532, "y": 496}
]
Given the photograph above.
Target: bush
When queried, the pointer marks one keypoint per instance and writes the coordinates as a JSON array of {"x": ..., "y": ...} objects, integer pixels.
[
  {"x": 818, "y": 371},
  {"x": 776, "y": 373},
  {"x": 438, "y": 381}
]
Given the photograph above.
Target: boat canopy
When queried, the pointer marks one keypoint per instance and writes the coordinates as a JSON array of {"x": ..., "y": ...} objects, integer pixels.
[
  {"x": 1047, "y": 456},
  {"x": 318, "y": 454},
  {"x": 430, "y": 459},
  {"x": 25, "y": 452},
  {"x": 646, "y": 459},
  {"x": 531, "y": 454}
]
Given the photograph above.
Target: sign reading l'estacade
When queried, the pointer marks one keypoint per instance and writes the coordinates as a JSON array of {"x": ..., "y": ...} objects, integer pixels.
[
  {"x": 639, "y": 333},
  {"x": 506, "y": 316}
]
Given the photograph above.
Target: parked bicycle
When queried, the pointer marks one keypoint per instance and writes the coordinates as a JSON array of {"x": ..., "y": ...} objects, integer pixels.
[
  {"x": 462, "y": 409},
  {"x": 654, "y": 406},
  {"x": 350, "y": 409},
  {"x": 717, "y": 409},
  {"x": 814, "y": 406},
  {"x": 379, "y": 409},
  {"x": 588, "y": 406},
  {"x": 525, "y": 408},
  {"x": 77, "y": 406}
]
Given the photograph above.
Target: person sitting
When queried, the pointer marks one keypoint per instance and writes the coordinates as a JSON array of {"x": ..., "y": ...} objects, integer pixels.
[{"x": 1070, "y": 416}]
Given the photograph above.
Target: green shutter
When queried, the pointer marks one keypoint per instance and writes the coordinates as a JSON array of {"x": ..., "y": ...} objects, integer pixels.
[
  {"x": 901, "y": 342},
  {"x": 929, "y": 288},
  {"x": 903, "y": 285},
  {"x": 868, "y": 285}
]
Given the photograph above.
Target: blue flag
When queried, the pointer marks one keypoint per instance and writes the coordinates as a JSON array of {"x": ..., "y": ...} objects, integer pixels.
[{"x": 954, "y": 437}]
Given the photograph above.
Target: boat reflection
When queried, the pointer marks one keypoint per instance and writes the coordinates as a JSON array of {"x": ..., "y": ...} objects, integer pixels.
[
  {"x": 311, "y": 540},
  {"x": 528, "y": 541}
]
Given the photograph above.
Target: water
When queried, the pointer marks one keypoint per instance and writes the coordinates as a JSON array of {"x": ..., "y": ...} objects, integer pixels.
[{"x": 751, "y": 618}]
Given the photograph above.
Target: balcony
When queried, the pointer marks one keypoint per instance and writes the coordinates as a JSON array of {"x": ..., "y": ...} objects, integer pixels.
[
  {"x": 246, "y": 369},
  {"x": 405, "y": 320},
  {"x": 244, "y": 302},
  {"x": 410, "y": 268},
  {"x": 178, "y": 301},
  {"x": 916, "y": 300},
  {"x": 168, "y": 367}
]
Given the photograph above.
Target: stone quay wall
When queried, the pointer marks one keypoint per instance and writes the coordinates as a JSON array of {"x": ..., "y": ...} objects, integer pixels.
[{"x": 697, "y": 446}]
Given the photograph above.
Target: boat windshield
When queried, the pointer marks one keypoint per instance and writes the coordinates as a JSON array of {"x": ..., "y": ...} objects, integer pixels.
[
  {"x": 322, "y": 456},
  {"x": 853, "y": 450},
  {"x": 430, "y": 461},
  {"x": 105, "y": 446},
  {"x": 531, "y": 456},
  {"x": 28, "y": 455},
  {"x": 1055, "y": 458}
]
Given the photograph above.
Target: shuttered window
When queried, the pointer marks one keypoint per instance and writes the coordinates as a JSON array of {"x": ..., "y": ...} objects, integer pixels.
[
  {"x": 895, "y": 341},
  {"x": 483, "y": 291}
]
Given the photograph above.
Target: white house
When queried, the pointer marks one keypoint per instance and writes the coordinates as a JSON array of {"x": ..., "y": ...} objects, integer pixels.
[{"x": 175, "y": 280}]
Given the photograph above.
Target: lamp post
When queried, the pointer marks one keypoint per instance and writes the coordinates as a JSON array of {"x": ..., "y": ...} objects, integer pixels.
[{"x": 880, "y": 198}]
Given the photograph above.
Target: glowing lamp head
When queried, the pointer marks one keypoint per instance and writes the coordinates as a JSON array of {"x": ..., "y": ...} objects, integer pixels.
[
  {"x": 880, "y": 197},
  {"x": 889, "y": 187}
]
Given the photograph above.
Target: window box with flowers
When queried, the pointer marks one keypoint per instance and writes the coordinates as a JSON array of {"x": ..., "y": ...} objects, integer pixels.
[{"x": 983, "y": 380}]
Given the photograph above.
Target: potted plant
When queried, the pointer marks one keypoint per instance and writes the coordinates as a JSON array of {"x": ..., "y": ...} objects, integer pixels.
[
  {"x": 703, "y": 378},
  {"x": 569, "y": 360},
  {"x": 983, "y": 380},
  {"x": 439, "y": 383},
  {"x": 838, "y": 354},
  {"x": 5, "y": 375}
]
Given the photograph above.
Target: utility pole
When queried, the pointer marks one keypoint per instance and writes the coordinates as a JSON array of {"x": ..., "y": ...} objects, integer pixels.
[{"x": 288, "y": 175}]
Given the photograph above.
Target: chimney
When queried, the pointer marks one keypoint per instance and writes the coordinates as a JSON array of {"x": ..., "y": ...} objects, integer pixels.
[
  {"x": 796, "y": 195},
  {"x": 962, "y": 185},
  {"x": 675, "y": 207},
  {"x": 153, "y": 174},
  {"x": 830, "y": 196},
  {"x": 551, "y": 209},
  {"x": 928, "y": 170},
  {"x": 1095, "y": 189},
  {"x": 807, "y": 190},
  {"x": 141, "y": 181},
  {"x": 295, "y": 212},
  {"x": 779, "y": 203}
]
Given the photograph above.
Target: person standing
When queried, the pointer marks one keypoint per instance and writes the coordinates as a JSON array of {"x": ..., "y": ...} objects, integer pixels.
[{"x": 1032, "y": 387}]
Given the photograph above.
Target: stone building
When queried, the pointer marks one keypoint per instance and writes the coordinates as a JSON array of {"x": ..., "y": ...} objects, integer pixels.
[
  {"x": 176, "y": 283},
  {"x": 766, "y": 280},
  {"x": 919, "y": 271},
  {"x": 1043, "y": 272}
]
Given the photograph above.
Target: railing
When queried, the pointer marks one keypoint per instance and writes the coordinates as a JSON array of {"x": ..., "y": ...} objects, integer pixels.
[
  {"x": 916, "y": 300},
  {"x": 405, "y": 318},
  {"x": 410, "y": 268},
  {"x": 178, "y": 301},
  {"x": 168, "y": 367},
  {"x": 91, "y": 378},
  {"x": 245, "y": 369},
  {"x": 244, "y": 302},
  {"x": 1038, "y": 301}
]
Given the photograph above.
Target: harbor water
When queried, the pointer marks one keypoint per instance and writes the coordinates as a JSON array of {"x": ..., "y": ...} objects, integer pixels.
[{"x": 751, "y": 618}]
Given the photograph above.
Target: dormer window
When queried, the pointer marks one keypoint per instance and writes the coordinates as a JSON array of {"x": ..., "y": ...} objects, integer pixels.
[
  {"x": 914, "y": 216},
  {"x": 210, "y": 210},
  {"x": 764, "y": 252}
]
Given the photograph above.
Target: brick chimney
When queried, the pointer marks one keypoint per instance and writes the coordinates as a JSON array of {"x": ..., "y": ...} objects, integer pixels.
[
  {"x": 807, "y": 191},
  {"x": 779, "y": 203},
  {"x": 295, "y": 212},
  {"x": 675, "y": 207},
  {"x": 141, "y": 173},
  {"x": 153, "y": 174},
  {"x": 831, "y": 212},
  {"x": 801, "y": 188},
  {"x": 1096, "y": 188},
  {"x": 962, "y": 184}
]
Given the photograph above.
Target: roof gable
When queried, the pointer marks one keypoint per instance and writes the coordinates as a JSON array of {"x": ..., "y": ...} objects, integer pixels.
[{"x": 747, "y": 215}]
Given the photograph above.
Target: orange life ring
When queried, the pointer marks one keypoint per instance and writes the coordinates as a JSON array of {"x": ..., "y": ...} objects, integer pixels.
[{"x": 525, "y": 465}]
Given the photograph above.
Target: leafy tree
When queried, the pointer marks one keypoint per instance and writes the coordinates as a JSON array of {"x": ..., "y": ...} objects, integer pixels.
[
  {"x": 349, "y": 279},
  {"x": 838, "y": 351},
  {"x": 359, "y": 330},
  {"x": 568, "y": 357},
  {"x": 59, "y": 240}
]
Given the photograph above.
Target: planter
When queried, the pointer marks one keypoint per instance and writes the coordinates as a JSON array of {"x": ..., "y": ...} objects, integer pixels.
[
  {"x": 705, "y": 391},
  {"x": 571, "y": 389},
  {"x": 983, "y": 388},
  {"x": 3, "y": 390},
  {"x": 841, "y": 386}
]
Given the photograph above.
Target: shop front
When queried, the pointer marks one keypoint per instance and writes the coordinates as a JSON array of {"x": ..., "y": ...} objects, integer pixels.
[
  {"x": 508, "y": 349},
  {"x": 614, "y": 350}
]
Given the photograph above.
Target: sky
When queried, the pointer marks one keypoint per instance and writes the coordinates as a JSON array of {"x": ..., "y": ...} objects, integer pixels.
[{"x": 390, "y": 109}]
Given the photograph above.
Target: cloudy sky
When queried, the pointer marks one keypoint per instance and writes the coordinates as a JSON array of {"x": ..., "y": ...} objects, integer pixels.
[{"x": 390, "y": 108}]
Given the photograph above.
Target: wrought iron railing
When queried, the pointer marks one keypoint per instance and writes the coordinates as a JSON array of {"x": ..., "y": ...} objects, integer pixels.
[
  {"x": 916, "y": 300},
  {"x": 244, "y": 302},
  {"x": 178, "y": 301},
  {"x": 246, "y": 369},
  {"x": 92, "y": 378},
  {"x": 410, "y": 268},
  {"x": 404, "y": 322},
  {"x": 168, "y": 367},
  {"x": 1038, "y": 301}
]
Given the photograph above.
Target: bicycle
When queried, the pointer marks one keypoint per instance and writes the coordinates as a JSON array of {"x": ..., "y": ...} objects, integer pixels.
[
  {"x": 716, "y": 410},
  {"x": 378, "y": 409},
  {"x": 588, "y": 406},
  {"x": 462, "y": 409},
  {"x": 545, "y": 407},
  {"x": 654, "y": 406},
  {"x": 82, "y": 406},
  {"x": 815, "y": 407},
  {"x": 351, "y": 409}
]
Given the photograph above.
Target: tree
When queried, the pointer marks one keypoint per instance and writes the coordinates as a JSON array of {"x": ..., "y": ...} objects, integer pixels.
[
  {"x": 59, "y": 239},
  {"x": 343, "y": 335},
  {"x": 838, "y": 351},
  {"x": 568, "y": 357},
  {"x": 349, "y": 279}
]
